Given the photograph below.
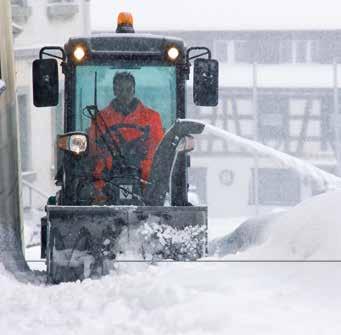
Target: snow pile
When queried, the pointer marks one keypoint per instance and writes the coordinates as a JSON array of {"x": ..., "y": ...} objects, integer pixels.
[
  {"x": 309, "y": 231},
  {"x": 251, "y": 232}
]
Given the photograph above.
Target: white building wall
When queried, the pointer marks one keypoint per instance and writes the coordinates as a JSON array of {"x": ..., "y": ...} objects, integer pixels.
[
  {"x": 38, "y": 31},
  {"x": 41, "y": 30}
]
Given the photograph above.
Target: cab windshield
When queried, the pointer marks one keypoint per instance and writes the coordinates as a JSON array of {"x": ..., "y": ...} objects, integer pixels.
[{"x": 155, "y": 88}]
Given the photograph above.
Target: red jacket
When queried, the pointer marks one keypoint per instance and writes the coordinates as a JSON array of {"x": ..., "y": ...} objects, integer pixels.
[{"x": 108, "y": 117}]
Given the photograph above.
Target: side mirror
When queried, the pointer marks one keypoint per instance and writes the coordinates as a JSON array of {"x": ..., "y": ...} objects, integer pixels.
[
  {"x": 2, "y": 86},
  {"x": 205, "y": 82},
  {"x": 45, "y": 82}
]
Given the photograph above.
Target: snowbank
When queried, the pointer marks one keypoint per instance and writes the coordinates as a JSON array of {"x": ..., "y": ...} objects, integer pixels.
[{"x": 309, "y": 231}]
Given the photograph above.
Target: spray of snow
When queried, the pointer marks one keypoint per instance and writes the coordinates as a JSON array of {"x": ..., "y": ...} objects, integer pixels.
[
  {"x": 152, "y": 240},
  {"x": 324, "y": 179}
]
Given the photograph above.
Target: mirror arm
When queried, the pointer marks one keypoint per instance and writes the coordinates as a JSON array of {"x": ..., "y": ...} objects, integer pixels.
[
  {"x": 207, "y": 52},
  {"x": 187, "y": 65},
  {"x": 43, "y": 52}
]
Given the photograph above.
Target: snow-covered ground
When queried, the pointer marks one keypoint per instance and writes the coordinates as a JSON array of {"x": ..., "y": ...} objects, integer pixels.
[
  {"x": 187, "y": 298},
  {"x": 199, "y": 298}
]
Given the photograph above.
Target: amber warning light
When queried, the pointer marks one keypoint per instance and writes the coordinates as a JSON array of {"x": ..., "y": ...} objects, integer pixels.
[{"x": 125, "y": 23}]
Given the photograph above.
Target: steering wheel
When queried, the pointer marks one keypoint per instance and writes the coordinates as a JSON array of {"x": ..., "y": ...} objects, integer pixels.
[{"x": 122, "y": 145}]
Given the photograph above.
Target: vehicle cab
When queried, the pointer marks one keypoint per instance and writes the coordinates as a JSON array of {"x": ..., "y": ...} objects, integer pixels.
[{"x": 160, "y": 66}]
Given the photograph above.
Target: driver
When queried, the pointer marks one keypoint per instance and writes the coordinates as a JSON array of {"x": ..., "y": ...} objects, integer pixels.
[{"x": 126, "y": 120}]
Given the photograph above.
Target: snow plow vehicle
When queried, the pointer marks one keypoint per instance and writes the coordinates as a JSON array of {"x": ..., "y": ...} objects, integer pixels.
[{"x": 123, "y": 159}]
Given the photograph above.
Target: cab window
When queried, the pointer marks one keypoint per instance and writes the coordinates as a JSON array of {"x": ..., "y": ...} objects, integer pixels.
[{"x": 155, "y": 87}]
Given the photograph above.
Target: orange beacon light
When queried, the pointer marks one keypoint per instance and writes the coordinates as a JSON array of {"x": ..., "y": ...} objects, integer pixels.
[{"x": 125, "y": 23}]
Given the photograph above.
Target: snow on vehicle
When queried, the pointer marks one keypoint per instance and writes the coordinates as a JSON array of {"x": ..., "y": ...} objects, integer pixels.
[{"x": 132, "y": 217}]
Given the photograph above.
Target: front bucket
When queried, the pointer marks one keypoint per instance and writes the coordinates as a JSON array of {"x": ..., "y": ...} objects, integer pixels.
[{"x": 86, "y": 241}]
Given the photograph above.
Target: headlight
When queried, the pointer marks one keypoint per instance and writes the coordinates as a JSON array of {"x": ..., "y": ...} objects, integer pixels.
[
  {"x": 79, "y": 53},
  {"x": 173, "y": 53},
  {"x": 76, "y": 143}
]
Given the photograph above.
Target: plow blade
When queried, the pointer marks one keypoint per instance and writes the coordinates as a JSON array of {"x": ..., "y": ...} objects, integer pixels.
[{"x": 86, "y": 241}]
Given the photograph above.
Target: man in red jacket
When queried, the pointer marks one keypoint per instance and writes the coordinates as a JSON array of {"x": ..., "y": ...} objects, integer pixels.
[{"x": 124, "y": 131}]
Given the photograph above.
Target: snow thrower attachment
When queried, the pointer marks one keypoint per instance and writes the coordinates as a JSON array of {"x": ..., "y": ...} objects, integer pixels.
[
  {"x": 86, "y": 242},
  {"x": 123, "y": 159}
]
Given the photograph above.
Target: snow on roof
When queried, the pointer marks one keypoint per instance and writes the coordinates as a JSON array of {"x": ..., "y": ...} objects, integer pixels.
[{"x": 220, "y": 15}]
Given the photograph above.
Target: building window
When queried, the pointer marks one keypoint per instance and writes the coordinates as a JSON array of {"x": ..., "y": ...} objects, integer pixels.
[
  {"x": 21, "y": 3},
  {"x": 276, "y": 187},
  {"x": 323, "y": 51},
  {"x": 62, "y": 9},
  {"x": 267, "y": 51},
  {"x": 263, "y": 51},
  {"x": 273, "y": 125},
  {"x": 285, "y": 51},
  {"x": 303, "y": 51},
  {"x": 317, "y": 52},
  {"x": 20, "y": 11},
  {"x": 244, "y": 51},
  {"x": 221, "y": 50}
]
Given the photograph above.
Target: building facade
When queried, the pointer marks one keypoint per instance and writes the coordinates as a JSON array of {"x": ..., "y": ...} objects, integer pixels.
[
  {"x": 37, "y": 23},
  {"x": 276, "y": 87}
]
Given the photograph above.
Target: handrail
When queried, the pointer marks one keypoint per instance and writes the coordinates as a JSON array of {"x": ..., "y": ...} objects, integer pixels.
[{"x": 31, "y": 186}]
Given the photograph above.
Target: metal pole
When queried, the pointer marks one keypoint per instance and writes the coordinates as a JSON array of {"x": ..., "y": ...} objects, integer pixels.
[
  {"x": 336, "y": 119},
  {"x": 256, "y": 136}
]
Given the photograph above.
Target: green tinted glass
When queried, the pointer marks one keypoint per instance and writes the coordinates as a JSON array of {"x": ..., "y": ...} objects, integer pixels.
[{"x": 155, "y": 87}]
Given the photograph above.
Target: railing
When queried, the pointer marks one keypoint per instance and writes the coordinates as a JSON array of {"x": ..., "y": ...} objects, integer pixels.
[{"x": 33, "y": 189}]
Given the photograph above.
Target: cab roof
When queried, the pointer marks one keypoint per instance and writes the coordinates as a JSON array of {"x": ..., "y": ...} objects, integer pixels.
[{"x": 115, "y": 42}]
